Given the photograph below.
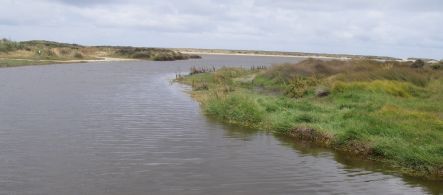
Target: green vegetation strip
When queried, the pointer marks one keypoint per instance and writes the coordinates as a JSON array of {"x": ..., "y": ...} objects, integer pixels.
[
  {"x": 14, "y": 63},
  {"x": 386, "y": 111}
]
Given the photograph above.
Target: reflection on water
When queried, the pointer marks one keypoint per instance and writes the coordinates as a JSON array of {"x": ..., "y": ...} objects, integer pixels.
[
  {"x": 122, "y": 128},
  {"x": 355, "y": 166}
]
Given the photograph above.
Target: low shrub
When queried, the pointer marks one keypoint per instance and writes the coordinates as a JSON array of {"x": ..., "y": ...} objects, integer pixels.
[
  {"x": 299, "y": 86},
  {"x": 9, "y": 46},
  {"x": 437, "y": 66},
  {"x": 418, "y": 64},
  {"x": 194, "y": 57}
]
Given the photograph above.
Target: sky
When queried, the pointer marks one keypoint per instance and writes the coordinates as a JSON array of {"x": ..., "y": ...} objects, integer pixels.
[{"x": 398, "y": 28}]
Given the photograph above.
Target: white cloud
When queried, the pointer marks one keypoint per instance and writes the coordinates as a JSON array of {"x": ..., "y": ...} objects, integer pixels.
[{"x": 397, "y": 28}]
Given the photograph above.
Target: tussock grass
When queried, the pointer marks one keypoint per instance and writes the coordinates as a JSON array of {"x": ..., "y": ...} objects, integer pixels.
[{"x": 387, "y": 111}]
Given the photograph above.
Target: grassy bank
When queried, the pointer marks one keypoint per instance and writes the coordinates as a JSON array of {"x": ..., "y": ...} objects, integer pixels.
[
  {"x": 387, "y": 111},
  {"x": 46, "y": 52},
  {"x": 4, "y": 63}
]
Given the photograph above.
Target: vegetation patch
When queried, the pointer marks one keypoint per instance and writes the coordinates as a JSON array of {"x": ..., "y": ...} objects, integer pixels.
[
  {"x": 395, "y": 88},
  {"x": 156, "y": 54},
  {"x": 386, "y": 111},
  {"x": 4, "y": 63}
]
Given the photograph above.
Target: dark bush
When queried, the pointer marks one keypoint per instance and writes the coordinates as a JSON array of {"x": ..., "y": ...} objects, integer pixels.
[
  {"x": 436, "y": 66},
  {"x": 194, "y": 57},
  {"x": 141, "y": 55},
  {"x": 418, "y": 64},
  {"x": 164, "y": 57}
]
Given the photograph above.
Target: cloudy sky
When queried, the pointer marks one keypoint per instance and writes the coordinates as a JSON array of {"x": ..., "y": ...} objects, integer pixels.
[{"x": 400, "y": 28}]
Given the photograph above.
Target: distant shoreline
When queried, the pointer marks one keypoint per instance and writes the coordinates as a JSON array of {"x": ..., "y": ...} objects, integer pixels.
[
  {"x": 106, "y": 59},
  {"x": 294, "y": 54},
  {"x": 318, "y": 56},
  {"x": 266, "y": 55}
]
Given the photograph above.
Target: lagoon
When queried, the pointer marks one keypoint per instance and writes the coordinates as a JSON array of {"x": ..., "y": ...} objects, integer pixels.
[{"x": 124, "y": 128}]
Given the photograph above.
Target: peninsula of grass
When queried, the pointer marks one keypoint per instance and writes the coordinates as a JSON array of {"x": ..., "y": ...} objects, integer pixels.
[
  {"x": 385, "y": 111},
  {"x": 4, "y": 63}
]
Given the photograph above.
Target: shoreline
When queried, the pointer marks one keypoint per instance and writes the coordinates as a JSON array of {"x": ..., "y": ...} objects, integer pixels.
[
  {"x": 266, "y": 55},
  {"x": 104, "y": 59},
  {"x": 355, "y": 150},
  {"x": 18, "y": 62},
  {"x": 292, "y": 56}
]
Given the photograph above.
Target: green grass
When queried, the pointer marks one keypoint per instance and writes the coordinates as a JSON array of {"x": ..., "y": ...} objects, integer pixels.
[
  {"x": 14, "y": 63},
  {"x": 385, "y": 111}
]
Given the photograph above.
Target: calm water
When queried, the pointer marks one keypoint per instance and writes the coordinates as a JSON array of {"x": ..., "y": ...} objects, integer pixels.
[{"x": 122, "y": 128}]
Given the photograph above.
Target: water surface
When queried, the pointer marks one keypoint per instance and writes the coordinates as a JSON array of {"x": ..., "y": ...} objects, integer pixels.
[{"x": 123, "y": 128}]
